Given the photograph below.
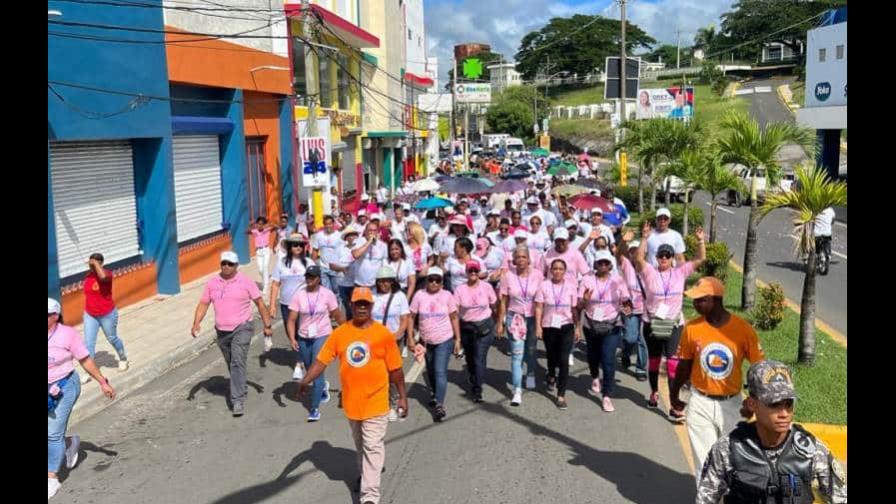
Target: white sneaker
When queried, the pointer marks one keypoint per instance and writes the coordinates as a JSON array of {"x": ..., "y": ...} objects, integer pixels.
[
  {"x": 404, "y": 352},
  {"x": 517, "y": 397},
  {"x": 298, "y": 373},
  {"x": 71, "y": 452},
  {"x": 393, "y": 415},
  {"x": 572, "y": 360},
  {"x": 85, "y": 378},
  {"x": 268, "y": 343},
  {"x": 52, "y": 487},
  {"x": 123, "y": 365}
]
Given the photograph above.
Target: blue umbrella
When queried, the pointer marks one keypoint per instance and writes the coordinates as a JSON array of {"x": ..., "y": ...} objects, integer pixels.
[{"x": 432, "y": 203}]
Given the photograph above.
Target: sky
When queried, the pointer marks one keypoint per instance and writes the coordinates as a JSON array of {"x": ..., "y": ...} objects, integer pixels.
[{"x": 503, "y": 23}]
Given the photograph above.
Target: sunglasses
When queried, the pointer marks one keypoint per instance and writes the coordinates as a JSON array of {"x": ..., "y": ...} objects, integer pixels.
[
  {"x": 296, "y": 244},
  {"x": 664, "y": 255},
  {"x": 228, "y": 263},
  {"x": 437, "y": 280}
]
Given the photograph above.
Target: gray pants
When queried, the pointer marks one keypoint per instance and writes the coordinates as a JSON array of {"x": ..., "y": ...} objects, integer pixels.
[{"x": 234, "y": 346}]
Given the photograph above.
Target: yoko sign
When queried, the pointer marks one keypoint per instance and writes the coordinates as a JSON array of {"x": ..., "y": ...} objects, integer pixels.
[
  {"x": 823, "y": 91},
  {"x": 826, "y": 66}
]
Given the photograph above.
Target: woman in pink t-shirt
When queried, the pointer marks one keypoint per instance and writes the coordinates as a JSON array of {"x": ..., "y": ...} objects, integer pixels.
[
  {"x": 438, "y": 334},
  {"x": 556, "y": 310},
  {"x": 604, "y": 298},
  {"x": 664, "y": 286},
  {"x": 313, "y": 306},
  {"x": 516, "y": 316},
  {"x": 264, "y": 249},
  {"x": 476, "y": 302},
  {"x": 64, "y": 345}
]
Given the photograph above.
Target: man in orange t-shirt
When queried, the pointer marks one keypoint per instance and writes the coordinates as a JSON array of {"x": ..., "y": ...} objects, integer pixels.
[
  {"x": 719, "y": 341},
  {"x": 369, "y": 361}
]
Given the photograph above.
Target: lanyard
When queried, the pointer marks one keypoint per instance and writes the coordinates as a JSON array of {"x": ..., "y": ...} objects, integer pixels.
[
  {"x": 666, "y": 285},
  {"x": 311, "y": 306},
  {"x": 557, "y": 298},
  {"x": 600, "y": 293},
  {"x": 523, "y": 291}
]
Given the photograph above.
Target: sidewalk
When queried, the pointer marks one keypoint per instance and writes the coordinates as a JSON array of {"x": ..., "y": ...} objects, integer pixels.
[{"x": 156, "y": 335}]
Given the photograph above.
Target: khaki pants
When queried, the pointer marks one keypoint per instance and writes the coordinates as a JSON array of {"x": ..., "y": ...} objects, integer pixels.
[
  {"x": 369, "y": 436},
  {"x": 708, "y": 420}
]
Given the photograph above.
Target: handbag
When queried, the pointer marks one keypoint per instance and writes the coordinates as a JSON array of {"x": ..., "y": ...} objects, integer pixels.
[{"x": 662, "y": 329}]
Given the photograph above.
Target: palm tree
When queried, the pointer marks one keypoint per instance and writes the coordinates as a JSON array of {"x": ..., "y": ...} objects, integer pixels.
[
  {"x": 816, "y": 193},
  {"x": 742, "y": 141},
  {"x": 688, "y": 168},
  {"x": 642, "y": 139},
  {"x": 676, "y": 138},
  {"x": 716, "y": 178},
  {"x": 705, "y": 38}
]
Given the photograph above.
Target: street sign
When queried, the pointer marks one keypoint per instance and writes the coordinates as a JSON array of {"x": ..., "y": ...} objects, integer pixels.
[
  {"x": 632, "y": 76},
  {"x": 473, "y": 68},
  {"x": 473, "y": 93},
  {"x": 314, "y": 153}
]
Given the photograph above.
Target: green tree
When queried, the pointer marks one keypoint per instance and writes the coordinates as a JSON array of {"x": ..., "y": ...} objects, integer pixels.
[
  {"x": 706, "y": 39},
  {"x": 669, "y": 55},
  {"x": 715, "y": 178},
  {"x": 816, "y": 192},
  {"x": 773, "y": 20},
  {"x": 514, "y": 111},
  {"x": 644, "y": 140},
  {"x": 578, "y": 44},
  {"x": 742, "y": 141}
]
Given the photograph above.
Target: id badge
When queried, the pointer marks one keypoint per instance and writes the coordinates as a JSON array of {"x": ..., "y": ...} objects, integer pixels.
[
  {"x": 662, "y": 311},
  {"x": 556, "y": 321},
  {"x": 312, "y": 331}
]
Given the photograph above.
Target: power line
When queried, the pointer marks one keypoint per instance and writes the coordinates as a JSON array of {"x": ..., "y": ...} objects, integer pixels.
[
  {"x": 760, "y": 39},
  {"x": 131, "y": 106},
  {"x": 205, "y": 11},
  {"x": 163, "y": 98}
]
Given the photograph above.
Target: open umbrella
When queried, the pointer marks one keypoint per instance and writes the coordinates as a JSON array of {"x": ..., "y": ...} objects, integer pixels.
[
  {"x": 432, "y": 203},
  {"x": 569, "y": 190},
  {"x": 563, "y": 169},
  {"x": 426, "y": 185},
  {"x": 590, "y": 201},
  {"x": 516, "y": 174},
  {"x": 541, "y": 152},
  {"x": 509, "y": 186},
  {"x": 465, "y": 185}
]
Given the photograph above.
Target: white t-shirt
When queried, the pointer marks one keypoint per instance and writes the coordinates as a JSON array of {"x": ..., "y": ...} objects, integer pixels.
[
  {"x": 399, "y": 307},
  {"x": 381, "y": 194},
  {"x": 403, "y": 268},
  {"x": 669, "y": 237},
  {"x": 539, "y": 241},
  {"x": 494, "y": 259},
  {"x": 328, "y": 245},
  {"x": 291, "y": 278},
  {"x": 458, "y": 271},
  {"x": 347, "y": 279},
  {"x": 370, "y": 262},
  {"x": 824, "y": 222},
  {"x": 398, "y": 229}
]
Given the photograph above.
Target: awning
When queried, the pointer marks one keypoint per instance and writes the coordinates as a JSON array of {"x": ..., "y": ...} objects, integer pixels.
[
  {"x": 418, "y": 80},
  {"x": 344, "y": 29},
  {"x": 339, "y": 147}
]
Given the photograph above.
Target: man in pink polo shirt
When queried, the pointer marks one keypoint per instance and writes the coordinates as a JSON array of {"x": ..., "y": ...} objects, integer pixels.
[{"x": 232, "y": 294}]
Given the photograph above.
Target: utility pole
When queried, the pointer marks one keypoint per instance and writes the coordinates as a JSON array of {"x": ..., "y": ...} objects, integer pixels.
[
  {"x": 623, "y": 156},
  {"x": 678, "y": 55},
  {"x": 317, "y": 201}
]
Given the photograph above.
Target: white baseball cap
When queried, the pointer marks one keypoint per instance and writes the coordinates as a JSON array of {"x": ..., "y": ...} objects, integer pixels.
[
  {"x": 230, "y": 256},
  {"x": 634, "y": 244},
  {"x": 519, "y": 233},
  {"x": 596, "y": 210},
  {"x": 603, "y": 255},
  {"x": 561, "y": 234},
  {"x": 376, "y": 216},
  {"x": 532, "y": 200},
  {"x": 362, "y": 212},
  {"x": 365, "y": 197},
  {"x": 494, "y": 212},
  {"x": 571, "y": 223},
  {"x": 53, "y": 306},
  {"x": 435, "y": 271},
  {"x": 664, "y": 212}
]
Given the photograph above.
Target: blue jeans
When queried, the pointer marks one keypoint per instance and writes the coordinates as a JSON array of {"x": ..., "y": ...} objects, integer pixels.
[
  {"x": 476, "y": 352},
  {"x": 308, "y": 349},
  {"x": 329, "y": 280},
  {"x": 634, "y": 336},
  {"x": 522, "y": 350},
  {"x": 437, "y": 357},
  {"x": 57, "y": 422},
  {"x": 346, "y": 294},
  {"x": 602, "y": 356},
  {"x": 109, "y": 323}
]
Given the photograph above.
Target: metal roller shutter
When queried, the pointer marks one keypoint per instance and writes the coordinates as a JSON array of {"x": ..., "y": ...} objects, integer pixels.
[
  {"x": 94, "y": 202},
  {"x": 197, "y": 186}
]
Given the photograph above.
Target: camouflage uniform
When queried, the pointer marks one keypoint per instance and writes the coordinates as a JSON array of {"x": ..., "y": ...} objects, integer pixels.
[
  {"x": 826, "y": 471},
  {"x": 770, "y": 382}
]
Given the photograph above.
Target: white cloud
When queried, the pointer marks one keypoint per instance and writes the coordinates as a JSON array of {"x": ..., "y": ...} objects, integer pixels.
[{"x": 503, "y": 23}]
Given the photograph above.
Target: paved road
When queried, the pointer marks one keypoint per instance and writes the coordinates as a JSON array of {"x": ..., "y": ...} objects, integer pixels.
[
  {"x": 777, "y": 262},
  {"x": 175, "y": 441}
]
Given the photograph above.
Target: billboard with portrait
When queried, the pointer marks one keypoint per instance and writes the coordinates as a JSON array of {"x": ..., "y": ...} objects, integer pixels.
[{"x": 672, "y": 103}]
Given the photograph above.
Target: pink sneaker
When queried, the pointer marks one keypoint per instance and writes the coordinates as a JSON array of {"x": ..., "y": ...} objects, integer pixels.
[
  {"x": 608, "y": 405},
  {"x": 595, "y": 386}
]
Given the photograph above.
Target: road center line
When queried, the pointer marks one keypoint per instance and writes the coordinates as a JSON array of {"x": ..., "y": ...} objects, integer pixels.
[{"x": 720, "y": 208}]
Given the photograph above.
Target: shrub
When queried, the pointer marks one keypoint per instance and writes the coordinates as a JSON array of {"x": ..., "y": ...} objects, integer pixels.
[
  {"x": 628, "y": 195},
  {"x": 717, "y": 257},
  {"x": 769, "y": 309}
]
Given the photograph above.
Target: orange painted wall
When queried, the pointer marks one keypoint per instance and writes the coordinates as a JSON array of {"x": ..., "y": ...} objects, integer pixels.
[
  {"x": 130, "y": 286},
  {"x": 262, "y": 118},
  {"x": 223, "y": 64},
  {"x": 202, "y": 258}
]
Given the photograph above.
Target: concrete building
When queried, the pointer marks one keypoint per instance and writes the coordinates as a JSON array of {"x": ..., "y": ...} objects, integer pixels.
[{"x": 503, "y": 75}]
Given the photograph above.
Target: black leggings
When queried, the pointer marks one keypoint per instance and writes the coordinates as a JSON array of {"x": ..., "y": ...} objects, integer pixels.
[
  {"x": 656, "y": 349},
  {"x": 558, "y": 344}
]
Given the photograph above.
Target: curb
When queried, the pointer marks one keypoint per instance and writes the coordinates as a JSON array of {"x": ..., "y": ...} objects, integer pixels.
[
  {"x": 834, "y": 436},
  {"x": 732, "y": 88},
  {"x": 836, "y": 335},
  {"x": 92, "y": 400},
  {"x": 792, "y": 107}
]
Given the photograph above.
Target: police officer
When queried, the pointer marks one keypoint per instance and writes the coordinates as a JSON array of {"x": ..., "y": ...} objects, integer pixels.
[{"x": 771, "y": 460}]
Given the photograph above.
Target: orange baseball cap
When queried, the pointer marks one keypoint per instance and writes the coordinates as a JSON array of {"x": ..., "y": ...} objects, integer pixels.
[
  {"x": 706, "y": 286},
  {"x": 362, "y": 294}
]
